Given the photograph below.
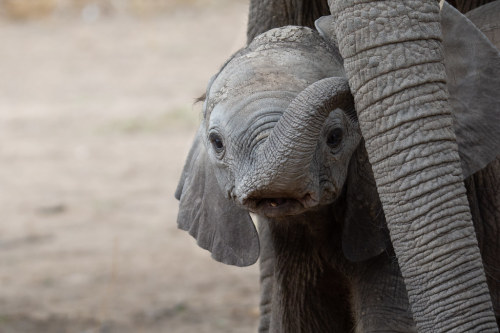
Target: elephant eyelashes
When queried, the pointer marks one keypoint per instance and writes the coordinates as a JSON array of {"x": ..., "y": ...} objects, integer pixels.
[
  {"x": 217, "y": 143},
  {"x": 334, "y": 138}
]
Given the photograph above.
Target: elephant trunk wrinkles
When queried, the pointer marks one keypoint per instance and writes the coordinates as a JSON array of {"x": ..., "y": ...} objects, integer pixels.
[
  {"x": 399, "y": 85},
  {"x": 294, "y": 139}
]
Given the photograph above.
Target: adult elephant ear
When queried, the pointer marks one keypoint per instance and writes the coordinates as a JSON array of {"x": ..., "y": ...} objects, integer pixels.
[
  {"x": 473, "y": 71},
  {"x": 326, "y": 28},
  {"x": 217, "y": 224}
]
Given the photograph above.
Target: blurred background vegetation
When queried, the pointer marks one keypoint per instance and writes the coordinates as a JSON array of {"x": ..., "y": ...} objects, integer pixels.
[
  {"x": 97, "y": 115},
  {"x": 88, "y": 9}
]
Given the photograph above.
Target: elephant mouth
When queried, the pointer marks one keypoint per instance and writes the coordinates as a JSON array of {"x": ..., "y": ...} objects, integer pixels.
[{"x": 279, "y": 206}]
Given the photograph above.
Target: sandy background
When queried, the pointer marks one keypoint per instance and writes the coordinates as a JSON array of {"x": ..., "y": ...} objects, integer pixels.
[{"x": 96, "y": 118}]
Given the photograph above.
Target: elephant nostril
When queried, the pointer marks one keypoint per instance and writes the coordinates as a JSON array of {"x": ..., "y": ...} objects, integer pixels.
[{"x": 309, "y": 200}]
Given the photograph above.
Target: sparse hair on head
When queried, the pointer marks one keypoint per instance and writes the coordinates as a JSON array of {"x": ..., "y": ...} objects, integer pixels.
[{"x": 201, "y": 99}]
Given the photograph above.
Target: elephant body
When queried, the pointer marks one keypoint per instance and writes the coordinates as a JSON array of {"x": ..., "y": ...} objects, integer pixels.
[
  {"x": 265, "y": 15},
  {"x": 375, "y": 292},
  {"x": 309, "y": 286},
  {"x": 280, "y": 138}
]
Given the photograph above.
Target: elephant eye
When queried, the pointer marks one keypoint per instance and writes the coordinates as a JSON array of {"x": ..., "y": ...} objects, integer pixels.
[
  {"x": 217, "y": 143},
  {"x": 334, "y": 138}
]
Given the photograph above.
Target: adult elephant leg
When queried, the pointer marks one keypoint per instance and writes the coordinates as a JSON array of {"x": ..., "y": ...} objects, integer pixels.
[
  {"x": 268, "y": 14},
  {"x": 394, "y": 63},
  {"x": 266, "y": 262},
  {"x": 380, "y": 302}
]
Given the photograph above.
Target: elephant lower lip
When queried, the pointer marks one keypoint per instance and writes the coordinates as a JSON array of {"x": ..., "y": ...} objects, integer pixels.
[
  {"x": 275, "y": 202},
  {"x": 275, "y": 207}
]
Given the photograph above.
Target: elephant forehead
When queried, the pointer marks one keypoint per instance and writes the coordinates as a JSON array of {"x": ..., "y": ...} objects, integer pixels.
[
  {"x": 273, "y": 69},
  {"x": 239, "y": 117},
  {"x": 269, "y": 71}
]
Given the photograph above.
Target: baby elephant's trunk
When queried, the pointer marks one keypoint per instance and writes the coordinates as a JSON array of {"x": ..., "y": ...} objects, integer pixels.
[{"x": 282, "y": 166}]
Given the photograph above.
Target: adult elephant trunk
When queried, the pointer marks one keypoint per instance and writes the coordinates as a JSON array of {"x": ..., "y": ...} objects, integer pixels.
[
  {"x": 292, "y": 142},
  {"x": 394, "y": 62}
]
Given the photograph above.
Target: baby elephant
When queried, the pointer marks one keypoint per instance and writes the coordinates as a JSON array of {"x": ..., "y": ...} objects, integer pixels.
[{"x": 280, "y": 138}]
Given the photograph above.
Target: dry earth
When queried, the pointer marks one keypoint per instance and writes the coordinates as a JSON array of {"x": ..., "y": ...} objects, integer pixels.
[{"x": 96, "y": 119}]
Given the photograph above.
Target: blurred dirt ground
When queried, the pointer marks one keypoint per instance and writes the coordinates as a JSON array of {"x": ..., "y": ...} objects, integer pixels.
[{"x": 96, "y": 118}]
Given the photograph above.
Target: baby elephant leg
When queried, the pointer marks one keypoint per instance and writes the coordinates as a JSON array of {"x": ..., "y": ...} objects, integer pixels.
[
  {"x": 266, "y": 263},
  {"x": 379, "y": 298}
]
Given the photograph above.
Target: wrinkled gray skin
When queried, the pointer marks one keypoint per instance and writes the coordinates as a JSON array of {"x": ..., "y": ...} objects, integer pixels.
[
  {"x": 393, "y": 56},
  {"x": 315, "y": 214},
  {"x": 265, "y": 15},
  {"x": 432, "y": 314}
]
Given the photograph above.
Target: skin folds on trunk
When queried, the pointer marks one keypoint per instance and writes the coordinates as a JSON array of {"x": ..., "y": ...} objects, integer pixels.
[{"x": 394, "y": 62}]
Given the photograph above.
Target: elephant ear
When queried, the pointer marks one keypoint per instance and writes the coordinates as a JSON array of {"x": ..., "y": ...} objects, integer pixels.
[
  {"x": 473, "y": 71},
  {"x": 326, "y": 28},
  {"x": 365, "y": 234},
  {"x": 217, "y": 223}
]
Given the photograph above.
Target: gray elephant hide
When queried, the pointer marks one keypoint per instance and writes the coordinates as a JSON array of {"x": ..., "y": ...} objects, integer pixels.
[{"x": 344, "y": 244}]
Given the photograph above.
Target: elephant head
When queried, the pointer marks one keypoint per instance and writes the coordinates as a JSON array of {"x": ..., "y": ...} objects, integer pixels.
[{"x": 253, "y": 118}]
